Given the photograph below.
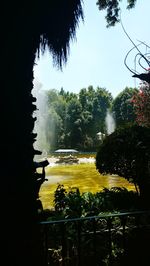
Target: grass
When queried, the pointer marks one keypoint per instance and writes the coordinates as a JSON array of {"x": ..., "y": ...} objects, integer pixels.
[{"x": 83, "y": 176}]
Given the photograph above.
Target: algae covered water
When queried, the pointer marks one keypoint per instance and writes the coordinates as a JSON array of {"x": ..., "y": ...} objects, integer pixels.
[{"x": 82, "y": 175}]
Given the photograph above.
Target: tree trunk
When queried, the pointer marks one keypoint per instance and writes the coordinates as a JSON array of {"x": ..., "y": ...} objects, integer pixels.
[{"x": 20, "y": 236}]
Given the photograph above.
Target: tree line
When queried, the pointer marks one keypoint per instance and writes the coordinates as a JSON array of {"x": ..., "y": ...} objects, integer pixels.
[{"x": 72, "y": 120}]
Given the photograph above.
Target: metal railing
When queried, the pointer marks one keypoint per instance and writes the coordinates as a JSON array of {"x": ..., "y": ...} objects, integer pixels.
[{"x": 94, "y": 240}]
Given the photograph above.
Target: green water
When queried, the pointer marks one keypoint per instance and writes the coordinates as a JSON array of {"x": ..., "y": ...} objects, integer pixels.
[{"x": 84, "y": 176}]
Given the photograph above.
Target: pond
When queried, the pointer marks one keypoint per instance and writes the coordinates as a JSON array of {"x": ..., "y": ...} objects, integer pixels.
[{"x": 83, "y": 175}]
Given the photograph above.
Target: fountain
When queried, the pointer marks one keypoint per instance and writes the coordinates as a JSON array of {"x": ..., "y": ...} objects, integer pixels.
[
  {"x": 110, "y": 123},
  {"x": 39, "y": 128}
]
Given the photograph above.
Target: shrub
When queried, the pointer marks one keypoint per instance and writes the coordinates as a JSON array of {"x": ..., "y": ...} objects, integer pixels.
[{"x": 73, "y": 204}]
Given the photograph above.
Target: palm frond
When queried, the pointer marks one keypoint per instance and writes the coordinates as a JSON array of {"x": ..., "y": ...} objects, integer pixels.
[{"x": 57, "y": 26}]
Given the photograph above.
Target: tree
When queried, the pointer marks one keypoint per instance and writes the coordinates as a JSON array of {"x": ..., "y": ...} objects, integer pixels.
[
  {"x": 141, "y": 104},
  {"x": 126, "y": 152},
  {"x": 101, "y": 103},
  {"x": 53, "y": 129},
  {"x": 112, "y": 8},
  {"x": 26, "y": 28},
  {"x": 73, "y": 121},
  {"x": 95, "y": 103},
  {"x": 56, "y": 114},
  {"x": 122, "y": 107}
]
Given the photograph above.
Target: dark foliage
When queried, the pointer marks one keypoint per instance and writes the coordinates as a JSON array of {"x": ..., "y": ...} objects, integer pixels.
[
  {"x": 91, "y": 237},
  {"x": 122, "y": 107},
  {"x": 126, "y": 152},
  {"x": 112, "y": 8},
  {"x": 74, "y": 204}
]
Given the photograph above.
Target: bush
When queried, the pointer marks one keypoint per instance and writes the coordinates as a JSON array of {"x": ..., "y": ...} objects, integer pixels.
[{"x": 73, "y": 204}]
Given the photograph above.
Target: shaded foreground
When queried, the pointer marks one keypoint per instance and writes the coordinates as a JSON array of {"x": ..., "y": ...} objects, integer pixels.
[
  {"x": 112, "y": 239},
  {"x": 93, "y": 228}
]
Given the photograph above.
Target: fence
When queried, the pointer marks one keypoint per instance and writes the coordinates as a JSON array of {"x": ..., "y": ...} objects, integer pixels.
[{"x": 112, "y": 239}]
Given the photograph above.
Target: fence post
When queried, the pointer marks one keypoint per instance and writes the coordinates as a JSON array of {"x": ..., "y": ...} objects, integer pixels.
[
  {"x": 64, "y": 244},
  {"x": 109, "y": 224},
  {"x": 79, "y": 242}
]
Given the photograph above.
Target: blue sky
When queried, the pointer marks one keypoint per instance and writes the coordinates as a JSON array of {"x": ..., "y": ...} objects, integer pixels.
[{"x": 97, "y": 56}]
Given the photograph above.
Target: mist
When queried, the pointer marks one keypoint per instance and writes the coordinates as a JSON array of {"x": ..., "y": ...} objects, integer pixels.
[{"x": 110, "y": 123}]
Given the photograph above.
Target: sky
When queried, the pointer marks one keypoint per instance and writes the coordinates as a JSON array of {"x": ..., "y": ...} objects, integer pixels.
[{"x": 97, "y": 55}]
